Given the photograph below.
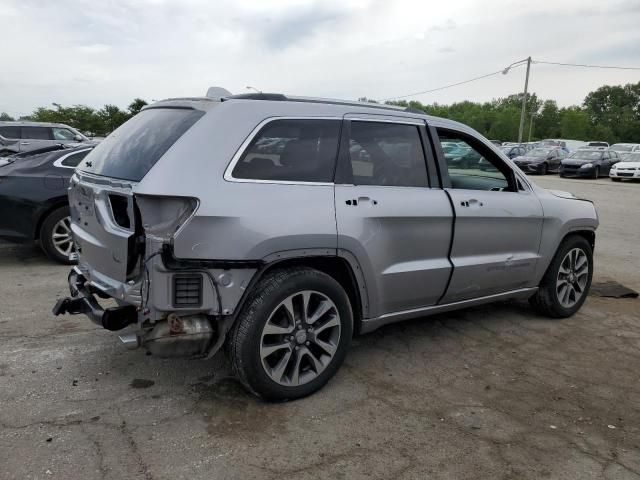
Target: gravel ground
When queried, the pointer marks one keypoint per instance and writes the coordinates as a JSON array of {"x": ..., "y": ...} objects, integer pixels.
[{"x": 491, "y": 392}]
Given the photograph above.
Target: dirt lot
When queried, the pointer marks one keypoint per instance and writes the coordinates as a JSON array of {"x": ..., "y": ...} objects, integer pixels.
[{"x": 492, "y": 392}]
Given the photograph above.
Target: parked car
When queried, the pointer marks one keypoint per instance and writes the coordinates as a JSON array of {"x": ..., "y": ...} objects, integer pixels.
[
  {"x": 513, "y": 151},
  {"x": 496, "y": 142},
  {"x": 624, "y": 149},
  {"x": 591, "y": 163},
  {"x": 18, "y": 137},
  {"x": 541, "y": 160},
  {"x": 628, "y": 168},
  {"x": 597, "y": 144},
  {"x": 282, "y": 262},
  {"x": 460, "y": 155},
  {"x": 33, "y": 195},
  {"x": 567, "y": 145}
]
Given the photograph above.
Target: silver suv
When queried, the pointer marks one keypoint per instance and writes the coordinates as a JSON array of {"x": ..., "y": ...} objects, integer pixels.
[
  {"x": 279, "y": 227},
  {"x": 18, "y": 137}
]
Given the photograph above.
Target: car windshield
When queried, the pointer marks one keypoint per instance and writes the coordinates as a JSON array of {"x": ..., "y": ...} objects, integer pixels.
[
  {"x": 634, "y": 157},
  {"x": 539, "y": 152},
  {"x": 597, "y": 144},
  {"x": 620, "y": 147},
  {"x": 587, "y": 155}
]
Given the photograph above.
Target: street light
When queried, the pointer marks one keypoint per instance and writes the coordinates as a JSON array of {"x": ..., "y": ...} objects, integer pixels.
[{"x": 524, "y": 97}]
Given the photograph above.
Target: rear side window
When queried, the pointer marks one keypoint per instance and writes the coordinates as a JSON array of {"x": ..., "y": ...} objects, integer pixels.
[
  {"x": 10, "y": 132},
  {"x": 387, "y": 154},
  {"x": 36, "y": 133},
  {"x": 74, "y": 159},
  {"x": 291, "y": 150},
  {"x": 63, "y": 134},
  {"x": 132, "y": 149}
]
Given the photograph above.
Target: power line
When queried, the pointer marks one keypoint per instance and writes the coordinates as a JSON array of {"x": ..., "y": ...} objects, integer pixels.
[
  {"x": 515, "y": 65},
  {"x": 443, "y": 87},
  {"x": 586, "y": 66}
]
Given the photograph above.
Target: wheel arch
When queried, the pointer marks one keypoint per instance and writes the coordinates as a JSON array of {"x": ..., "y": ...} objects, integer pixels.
[
  {"x": 337, "y": 267},
  {"x": 45, "y": 211}
]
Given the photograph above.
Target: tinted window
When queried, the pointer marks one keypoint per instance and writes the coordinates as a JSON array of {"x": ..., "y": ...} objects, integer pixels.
[
  {"x": 387, "y": 154},
  {"x": 36, "y": 133},
  {"x": 74, "y": 159},
  {"x": 133, "y": 148},
  {"x": 479, "y": 168},
  {"x": 63, "y": 134},
  {"x": 292, "y": 150},
  {"x": 10, "y": 132}
]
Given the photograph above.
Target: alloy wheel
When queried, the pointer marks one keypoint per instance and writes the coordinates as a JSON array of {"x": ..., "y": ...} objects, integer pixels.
[
  {"x": 61, "y": 237},
  {"x": 300, "y": 338},
  {"x": 572, "y": 278}
]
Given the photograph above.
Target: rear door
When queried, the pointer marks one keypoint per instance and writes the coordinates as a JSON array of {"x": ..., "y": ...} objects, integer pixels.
[
  {"x": 35, "y": 137},
  {"x": 390, "y": 212},
  {"x": 498, "y": 224}
]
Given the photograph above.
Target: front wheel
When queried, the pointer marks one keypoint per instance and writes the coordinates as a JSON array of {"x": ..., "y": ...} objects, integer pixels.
[
  {"x": 55, "y": 236},
  {"x": 615, "y": 179},
  {"x": 292, "y": 334},
  {"x": 566, "y": 282}
]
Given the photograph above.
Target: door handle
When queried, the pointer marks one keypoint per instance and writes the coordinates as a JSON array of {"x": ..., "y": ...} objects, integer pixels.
[
  {"x": 361, "y": 200},
  {"x": 24, "y": 143},
  {"x": 471, "y": 203}
]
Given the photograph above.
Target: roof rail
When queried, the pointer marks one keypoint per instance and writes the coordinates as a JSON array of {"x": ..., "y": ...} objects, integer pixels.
[{"x": 258, "y": 96}]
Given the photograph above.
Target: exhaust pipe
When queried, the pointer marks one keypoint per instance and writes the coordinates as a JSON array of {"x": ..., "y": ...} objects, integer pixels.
[
  {"x": 176, "y": 336},
  {"x": 130, "y": 340}
]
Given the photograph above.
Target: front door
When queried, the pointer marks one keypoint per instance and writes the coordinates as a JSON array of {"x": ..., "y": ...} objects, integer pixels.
[
  {"x": 498, "y": 225},
  {"x": 388, "y": 216}
]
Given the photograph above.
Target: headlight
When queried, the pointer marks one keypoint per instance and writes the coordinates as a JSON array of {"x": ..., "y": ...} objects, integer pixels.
[
  {"x": 613, "y": 167},
  {"x": 587, "y": 165}
]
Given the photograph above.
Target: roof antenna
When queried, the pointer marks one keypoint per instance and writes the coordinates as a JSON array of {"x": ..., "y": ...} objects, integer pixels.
[{"x": 218, "y": 93}]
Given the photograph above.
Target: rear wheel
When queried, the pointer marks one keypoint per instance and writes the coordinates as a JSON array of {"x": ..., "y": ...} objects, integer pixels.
[
  {"x": 566, "y": 282},
  {"x": 292, "y": 335},
  {"x": 615, "y": 179},
  {"x": 55, "y": 235}
]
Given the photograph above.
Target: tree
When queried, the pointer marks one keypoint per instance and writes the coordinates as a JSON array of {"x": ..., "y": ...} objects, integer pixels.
[
  {"x": 547, "y": 122},
  {"x": 135, "y": 106},
  {"x": 4, "y": 116},
  {"x": 574, "y": 123}
]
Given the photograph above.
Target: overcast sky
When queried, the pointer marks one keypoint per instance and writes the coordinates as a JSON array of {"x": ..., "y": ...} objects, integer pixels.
[{"x": 97, "y": 52}]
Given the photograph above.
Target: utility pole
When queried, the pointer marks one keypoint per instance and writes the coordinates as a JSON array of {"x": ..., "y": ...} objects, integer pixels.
[
  {"x": 531, "y": 126},
  {"x": 524, "y": 101}
]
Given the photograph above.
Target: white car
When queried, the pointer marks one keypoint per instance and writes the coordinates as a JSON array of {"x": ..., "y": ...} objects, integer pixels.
[
  {"x": 625, "y": 149},
  {"x": 628, "y": 168}
]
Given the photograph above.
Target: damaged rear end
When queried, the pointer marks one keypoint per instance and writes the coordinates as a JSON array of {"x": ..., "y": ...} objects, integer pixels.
[{"x": 126, "y": 274}]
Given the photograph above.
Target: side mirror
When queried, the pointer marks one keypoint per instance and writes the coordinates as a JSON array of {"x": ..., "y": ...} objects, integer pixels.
[{"x": 78, "y": 138}]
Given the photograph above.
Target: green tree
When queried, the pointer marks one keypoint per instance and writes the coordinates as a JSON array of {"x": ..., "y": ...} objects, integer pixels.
[
  {"x": 6, "y": 117},
  {"x": 135, "y": 106},
  {"x": 547, "y": 122},
  {"x": 574, "y": 123}
]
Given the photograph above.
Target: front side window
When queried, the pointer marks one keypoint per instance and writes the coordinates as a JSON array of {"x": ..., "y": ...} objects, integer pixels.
[
  {"x": 36, "y": 133},
  {"x": 292, "y": 150},
  {"x": 387, "y": 154},
  {"x": 479, "y": 168},
  {"x": 10, "y": 132},
  {"x": 63, "y": 134}
]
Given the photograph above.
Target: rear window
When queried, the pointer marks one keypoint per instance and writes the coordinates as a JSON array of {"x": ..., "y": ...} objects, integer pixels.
[
  {"x": 132, "y": 149},
  {"x": 292, "y": 150}
]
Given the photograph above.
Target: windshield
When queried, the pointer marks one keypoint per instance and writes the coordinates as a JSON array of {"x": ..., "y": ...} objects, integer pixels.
[
  {"x": 538, "y": 152},
  {"x": 597, "y": 144},
  {"x": 587, "y": 155},
  {"x": 132, "y": 149},
  {"x": 620, "y": 147},
  {"x": 634, "y": 157}
]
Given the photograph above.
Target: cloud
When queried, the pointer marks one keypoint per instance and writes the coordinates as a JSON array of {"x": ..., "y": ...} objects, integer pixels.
[{"x": 82, "y": 51}]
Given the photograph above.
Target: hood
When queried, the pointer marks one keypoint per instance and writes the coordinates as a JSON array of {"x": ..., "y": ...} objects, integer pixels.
[
  {"x": 578, "y": 161},
  {"x": 528, "y": 159},
  {"x": 562, "y": 194},
  {"x": 627, "y": 164}
]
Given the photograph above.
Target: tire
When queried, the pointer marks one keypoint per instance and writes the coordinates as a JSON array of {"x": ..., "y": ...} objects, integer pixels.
[
  {"x": 545, "y": 169},
  {"x": 596, "y": 173},
  {"x": 54, "y": 229},
  {"x": 547, "y": 299},
  {"x": 265, "y": 322},
  {"x": 615, "y": 179},
  {"x": 6, "y": 153}
]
